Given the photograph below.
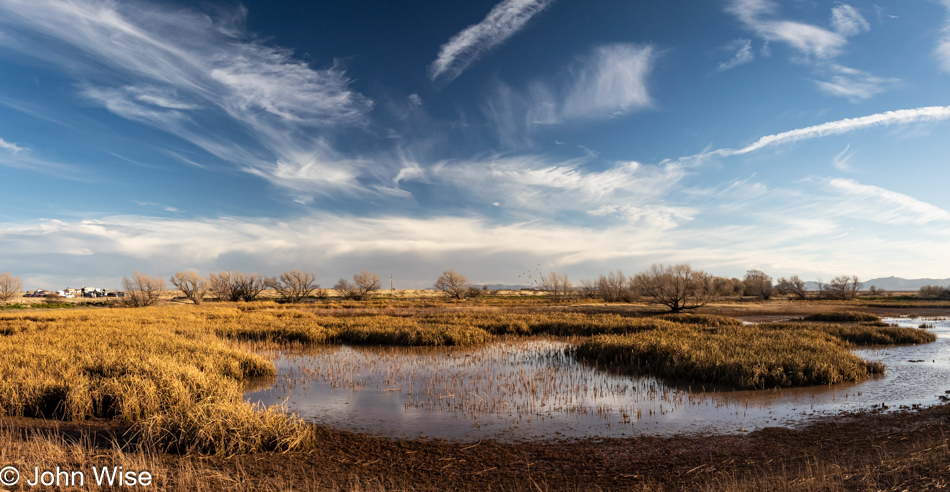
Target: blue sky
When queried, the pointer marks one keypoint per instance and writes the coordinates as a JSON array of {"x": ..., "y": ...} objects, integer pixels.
[{"x": 495, "y": 138}]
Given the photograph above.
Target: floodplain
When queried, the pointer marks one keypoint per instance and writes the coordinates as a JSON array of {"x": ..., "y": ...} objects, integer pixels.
[{"x": 361, "y": 392}]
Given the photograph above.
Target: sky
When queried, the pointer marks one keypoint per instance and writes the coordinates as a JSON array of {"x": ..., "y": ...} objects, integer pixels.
[{"x": 500, "y": 139}]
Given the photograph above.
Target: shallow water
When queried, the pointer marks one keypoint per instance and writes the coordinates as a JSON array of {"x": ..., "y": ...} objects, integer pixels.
[{"x": 529, "y": 389}]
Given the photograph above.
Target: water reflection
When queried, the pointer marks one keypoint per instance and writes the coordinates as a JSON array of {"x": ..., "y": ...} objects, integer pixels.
[{"x": 527, "y": 389}]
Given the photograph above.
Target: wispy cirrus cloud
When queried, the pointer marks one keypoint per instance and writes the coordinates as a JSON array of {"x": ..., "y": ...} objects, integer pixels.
[
  {"x": 502, "y": 22},
  {"x": 10, "y": 146},
  {"x": 201, "y": 78},
  {"x": 854, "y": 84},
  {"x": 630, "y": 192},
  {"x": 612, "y": 81},
  {"x": 888, "y": 118},
  {"x": 847, "y": 21},
  {"x": 883, "y": 205},
  {"x": 817, "y": 45},
  {"x": 842, "y": 161},
  {"x": 942, "y": 51},
  {"x": 743, "y": 54},
  {"x": 839, "y": 127},
  {"x": 810, "y": 40},
  {"x": 609, "y": 81}
]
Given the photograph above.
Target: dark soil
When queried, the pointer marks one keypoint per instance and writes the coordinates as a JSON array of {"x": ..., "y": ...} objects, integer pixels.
[{"x": 867, "y": 451}]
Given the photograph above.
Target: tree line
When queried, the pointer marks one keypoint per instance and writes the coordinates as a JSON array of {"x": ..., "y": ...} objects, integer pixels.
[
  {"x": 679, "y": 287},
  {"x": 231, "y": 285}
]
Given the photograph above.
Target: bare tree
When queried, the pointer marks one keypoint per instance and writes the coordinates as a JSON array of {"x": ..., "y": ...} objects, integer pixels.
[
  {"x": 558, "y": 286},
  {"x": 10, "y": 286},
  {"x": 588, "y": 288},
  {"x": 844, "y": 287},
  {"x": 237, "y": 286},
  {"x": 792, "y": 286},
  {"x": 192, "y": 285},
  {"x": 219, "y": 284},
  {"x": 758, "y": 284},
  {"x": 933, "y": 291},
  {"x": 728, "y": 287},
  {"x": 294, "y": 286},
  {"x": 453, "y": 285},
  {"x": 143, "y": 290},
  {"x": 247, "y": 286},
  {"x": 678, "y": 287},
  {"x": 362, "y": 287},
  {"x": 613, "y": 287}
]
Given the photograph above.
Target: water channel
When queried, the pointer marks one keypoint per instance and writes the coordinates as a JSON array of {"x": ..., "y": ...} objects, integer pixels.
[{"x": 531, "y": 389}]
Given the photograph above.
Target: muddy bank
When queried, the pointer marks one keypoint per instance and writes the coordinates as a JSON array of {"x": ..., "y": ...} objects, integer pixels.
[{"x": 866, "y": 451}]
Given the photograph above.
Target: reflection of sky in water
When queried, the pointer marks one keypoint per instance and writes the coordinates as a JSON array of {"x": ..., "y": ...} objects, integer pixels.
[{"x": 532, "y": 389}]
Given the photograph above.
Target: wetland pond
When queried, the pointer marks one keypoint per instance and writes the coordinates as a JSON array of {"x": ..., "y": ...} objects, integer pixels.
[{"x": 534, "y": 389}]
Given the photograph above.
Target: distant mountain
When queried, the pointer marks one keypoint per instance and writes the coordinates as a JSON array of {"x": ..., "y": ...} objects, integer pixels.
[
  {"x": 897, "y": 283},
  {"x": 894, "y": 283}
]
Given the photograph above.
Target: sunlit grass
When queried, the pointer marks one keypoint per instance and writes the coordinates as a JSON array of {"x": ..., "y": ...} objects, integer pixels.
[
  {"x": 177, "y": 372},
  {"x": 738, "y": 357},
  {"x": 866, "y": 335},
  {"x": 154, "y": 367}
]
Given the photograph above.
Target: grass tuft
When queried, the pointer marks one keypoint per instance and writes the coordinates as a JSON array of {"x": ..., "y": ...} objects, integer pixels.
[{"x": 736, "y": 357}]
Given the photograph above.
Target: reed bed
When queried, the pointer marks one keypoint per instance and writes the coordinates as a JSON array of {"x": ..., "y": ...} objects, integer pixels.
[
  {"x": 178, "y": 372},
  {"x": 863, "y": 334},
  {"x": 440, "y": 329},
  {"x": 844, "y": 317},
  {"x": 152, "y": 367},
  {"x": 711, "y": 320},
  {"x": 738, "y": 357}
]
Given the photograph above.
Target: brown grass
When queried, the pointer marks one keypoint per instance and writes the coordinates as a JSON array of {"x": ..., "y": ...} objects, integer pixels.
[{"x": 738, "y": 357}]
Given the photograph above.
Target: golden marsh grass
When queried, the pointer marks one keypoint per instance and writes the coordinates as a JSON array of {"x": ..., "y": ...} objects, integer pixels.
[
  {"x": 159, "y": 368},
  {"x": 178, "y": 372},
  {"x": 738, "y": 357}
]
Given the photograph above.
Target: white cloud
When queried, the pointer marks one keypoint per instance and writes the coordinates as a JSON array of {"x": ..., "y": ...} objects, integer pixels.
[
  {"x": 942, "y": 51},
  {"x": 889, "y": 118},
  {"x": 656, "y": 217},
  {"x": 202, "y": 79},
  {"x": 548, "y": 188},
  {"x": 842, "y": 161},
  {"x": 612, "y": 81},
  {"x": 504, "y": 20},
  {"x": 847, "y": 21},
  {"x": 854, "y": 84},
  {"x": 340, "y": 244},
  {"x": 743, "y": 55},
  {"x": 810, "y": 40},
  {"x": 879, "y": 204},
  {"x": 817, "y": 45},
  {"x": 415, "y": 99},
  {"x": 929, "y": 114},
  {"x": 9, "y": 146}
]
